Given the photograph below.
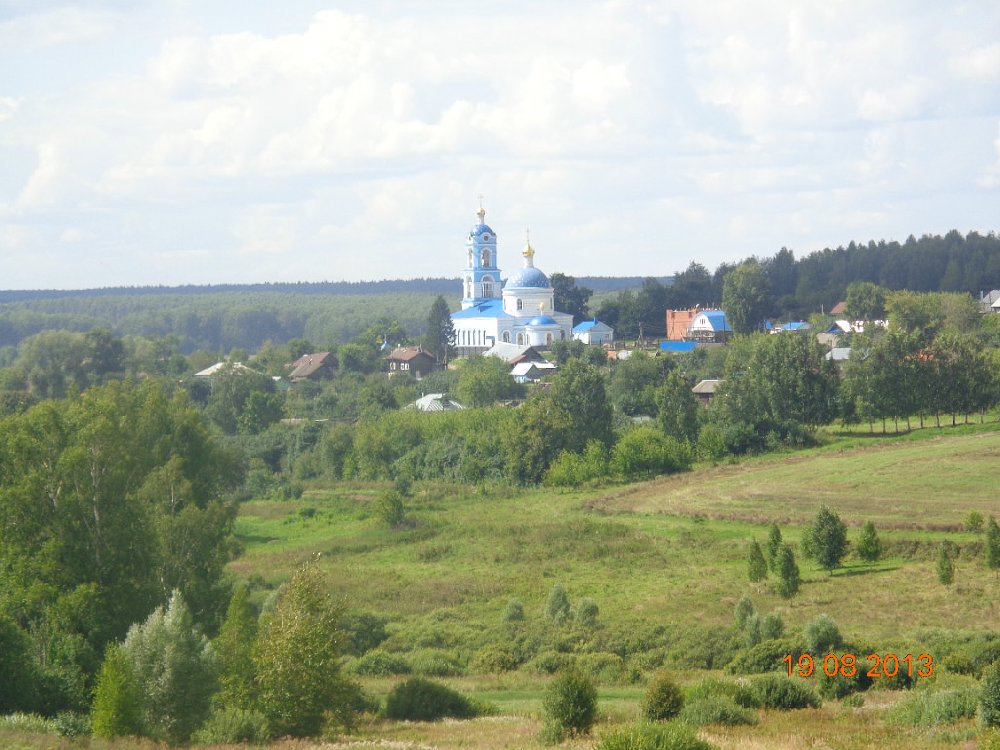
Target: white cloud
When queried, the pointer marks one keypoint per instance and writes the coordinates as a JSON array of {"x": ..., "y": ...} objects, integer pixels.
[{"x": 65, "y": 25}]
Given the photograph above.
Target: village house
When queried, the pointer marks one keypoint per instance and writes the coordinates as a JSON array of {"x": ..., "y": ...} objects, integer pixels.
[{"x": 412, "y": 360}]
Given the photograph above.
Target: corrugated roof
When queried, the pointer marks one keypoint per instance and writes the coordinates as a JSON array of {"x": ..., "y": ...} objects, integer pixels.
[
  {"x": 677, "y": 346},
  {"x": 706, "y": 386}
]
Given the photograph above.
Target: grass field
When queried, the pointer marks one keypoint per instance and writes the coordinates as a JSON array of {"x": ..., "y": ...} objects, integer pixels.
[{"x": 665, "y": 562}]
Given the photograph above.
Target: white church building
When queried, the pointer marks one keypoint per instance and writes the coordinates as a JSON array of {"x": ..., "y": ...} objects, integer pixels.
[{"x": 519, "y": 311}]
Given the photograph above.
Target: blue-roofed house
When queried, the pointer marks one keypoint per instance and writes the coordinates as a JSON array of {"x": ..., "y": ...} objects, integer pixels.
[
  {"x": 518, "y": 310},
  {"x": 709, "y": 327},
  {"x": 594, "y": 332},
  {"x": 798, "y": 325}
]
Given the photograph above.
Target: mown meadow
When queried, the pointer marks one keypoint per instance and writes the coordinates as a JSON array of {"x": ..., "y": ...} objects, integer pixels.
[{"x": 665, "y": 563}]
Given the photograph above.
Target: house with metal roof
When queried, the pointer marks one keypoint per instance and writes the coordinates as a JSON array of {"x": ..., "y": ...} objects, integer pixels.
[
  {"x": 594, "y": 332},
  {"x": 412, "y": 360},
  {"x": 705, "y": 390},
  {"x": 435, "y": 402},
  {"x": 709, "y": 326},
  {"x": 315, "y": 366}
]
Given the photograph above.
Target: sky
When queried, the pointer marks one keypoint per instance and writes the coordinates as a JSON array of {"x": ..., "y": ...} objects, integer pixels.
[{"x": 167, "y": 142}]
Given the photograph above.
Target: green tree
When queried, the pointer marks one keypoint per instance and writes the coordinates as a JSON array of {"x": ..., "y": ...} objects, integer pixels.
[
  {"x": 826, "y": 539},
  {"x": 865, "y": 301},
  {"x": 746, "y": 298},
  {"x": 634, "y": 382},
  {"x": 19, "y": 675},
  {"x": 993, "y": 545},
  {"x": 439, "y": 339},
  {"x": 664, "y": 699},
  {"x": 774, "y": 542},
  {"x": 989, "y": 696},
  {"x": 788, "y": 581},
  {"x": 945, "y": 565},
  {"x": 175, "y": 669},
  {"x": 117, "y": 708},
  {"x": 483, "y": 381},
  {"x": 570, "y": 298},
  {"x": 744, "y": 611},
  {"x": 296, "y": 658},
  {"x": 390, "y": 509},
  {"x": 234, "y": 650},
  {"x": 756, "y": 564},
  {"x": 557, "y": 606},
  {"x": 869, "y": 545},
  {"x": 570, "y": 703},
  {"x": 643, "y": 452},
  {"x": 677, "y": 408}
]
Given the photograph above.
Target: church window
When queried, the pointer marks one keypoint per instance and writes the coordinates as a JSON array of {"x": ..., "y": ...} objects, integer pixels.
[
  {"x": 506, "y": 337},
  {"x": 520, "y": 304},
  {"x": 470, "y": 259},
  {"x": 548, "y": 338},
  {"x": 486, "y": 258},
  {"x": 520, "y": 339},
  {"x": 487, "y": 286}
]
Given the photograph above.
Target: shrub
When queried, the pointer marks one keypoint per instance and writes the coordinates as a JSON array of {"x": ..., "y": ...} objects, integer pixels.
[
  {"x": 934, "y": 707},
  {"x": 717, "y": 709},
  {"x": 664, "y": 699},
  {"x": 494, "y": 659},
  {"x": 766, "y": 656},
  {"x": 671, "y": 736},
  {"x": 784, "y": 693},
  {"x": 71, "y": 724},
  {"x": 380, "y": 663},
  {"x": 432, "y": 662},
  {"x": 704, "y": 648},
  {"x": 772, "y": 626},
  {"x": 744, "y": 609},
  {"x": 586, "y": 612},
  {"x": 823, "y": 636},
  {"x": 711, "y": 445},
  {"x": 364, "y": 632},
  {"x": 389, "y": 508},
  {"x": 550, "y": 662},
  {"x": 989, "y": 701},
  {"x": 232, "y": 726},
  {"x": 117, "y": 709},
  {"x": 788, "y": 573},
  {"x": 974, "y": 521},
  {"x": 645, "y": 452},
  {"x": 738, "y": 690},
  {"x": 557, "y": 605},
  {"x": 514, "y": 611},
  {"x": 854, "y": 700},
  {"x": 571, "y": 703},
  {"x": 601, "y": 666},
  {"x": 418, "y": 699},
  {"x": 840, "y": 686}
]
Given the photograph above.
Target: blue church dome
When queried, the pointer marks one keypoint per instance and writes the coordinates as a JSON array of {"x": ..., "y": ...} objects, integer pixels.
[
  {"x": 480, "y": 229},
  {"x": 542, "y": 320},
  {"x": 529, "y": 277}
]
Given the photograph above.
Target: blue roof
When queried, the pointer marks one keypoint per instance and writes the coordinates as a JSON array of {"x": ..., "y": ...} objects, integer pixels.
[
  {"x": 527, "y": 278},
  {"x": 542, "y": 320},
  {"x": 717, "y": 319},
  {"x": 491, "y": 308},
  {"x": 480, "y": 229},
  {"x": 796, "y": 326},
  {"x": 677, "y": 346},
  {"x": 585, "y": 325}
]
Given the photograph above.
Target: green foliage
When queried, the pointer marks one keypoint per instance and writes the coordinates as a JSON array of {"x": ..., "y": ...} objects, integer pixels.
[
  {"x": 634, "y": 384},
  {"x": 586, "y": 612},
  {"x": 746, "y": 298},
  {"x": 677, "y": 408},
  {"x": 570, "y": 703},
  {"x": 19, "y": 676},
  {"x": 439, "y": 339},
  {"x": 774, "y": 542},
  {"x": 788, "y": 579},
  {"x": 826, "y": 539},
  {"x": 992, "y": 544},
  {"x": 389, "y": 508},
  {"x": 364, "y": 632},
  {"x": 644, "y": 452},
  {"x": 974, "y": 521},
  {"x": 299, "y": 683},
  {"x": 573, "y": 469},
  {"x": 494, "y": 659},
  {"x": 379, "y": 663},
  {"x": 934, "y": 707},
  {"x": 431, "y": 662},
  {"x": 418, "y": 699},
  {"x": 664, "y": 698},
  {"x": 234, "y": 651},
  {"x": 840, "y": 686},
  {"x": 756, "y": 564},
  {"x": 869, "y": 546},
  {"x": 513, "y": 611},
  {"x": 648, "y": 736},
  {"x": 766, "y": 656},
  {"x": 711, "y": 443},
  {"x": 569, "y": 297},
  {"x": 117, "y": 709},
  {"x": 989, "y": 699},
  {"x": 772, "y": 626},
  {"x": 175, "y": 670},
  {"x": 557, "y": 606},
  {"x": 783, "y": 693},
  {"x": 945, "y": 565},
  {"x": 483, "y": 381},
  {"x": 823, "y": 636},
  {"x": 744, "y": 610},
  {"x": 233, "y": 726},
  {"x": 717, "y": 709},
  {"x": 865, "y": 301}
]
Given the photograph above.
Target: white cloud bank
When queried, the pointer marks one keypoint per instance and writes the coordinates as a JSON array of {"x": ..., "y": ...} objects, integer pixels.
[{"x": 632, "y": 137}]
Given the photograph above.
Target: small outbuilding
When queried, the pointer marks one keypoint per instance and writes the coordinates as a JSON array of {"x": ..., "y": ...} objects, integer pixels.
[
  {"x": 594, "y": 332},
  {"x": 435, "y": 402},
  {"x": 314, "y": 366},
  {"x": 411, "y": 359},
  {"x": 705, "y": 390}
]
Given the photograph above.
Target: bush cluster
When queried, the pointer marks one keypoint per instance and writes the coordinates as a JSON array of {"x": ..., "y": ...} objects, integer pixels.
[
  {"x": 418, "y": 699},
  {"x": 647, "y": 736}
]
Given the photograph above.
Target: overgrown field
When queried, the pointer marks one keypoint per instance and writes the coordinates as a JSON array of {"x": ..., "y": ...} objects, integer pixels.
[{"x": 665, "y": 562}]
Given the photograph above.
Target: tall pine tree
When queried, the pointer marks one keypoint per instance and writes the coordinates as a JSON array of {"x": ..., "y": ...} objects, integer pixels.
[{"x": 440, "y": 337}]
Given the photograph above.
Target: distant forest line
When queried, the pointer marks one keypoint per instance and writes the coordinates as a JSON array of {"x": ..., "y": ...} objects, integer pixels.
[{"x": 222, "y": 317}]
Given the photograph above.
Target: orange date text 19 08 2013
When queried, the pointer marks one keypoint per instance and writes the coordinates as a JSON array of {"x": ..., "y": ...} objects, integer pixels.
[{"x": 846, "y": 665}]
